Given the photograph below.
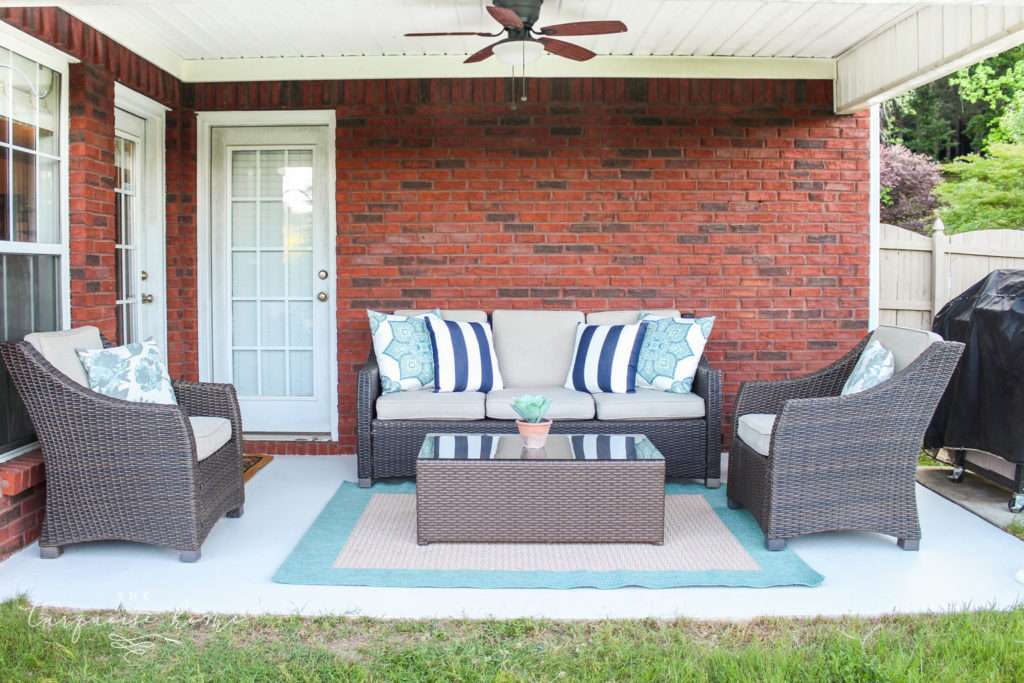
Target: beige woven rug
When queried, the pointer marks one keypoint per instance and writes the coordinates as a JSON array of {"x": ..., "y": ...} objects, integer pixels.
[{"x": 695, "y": 540}]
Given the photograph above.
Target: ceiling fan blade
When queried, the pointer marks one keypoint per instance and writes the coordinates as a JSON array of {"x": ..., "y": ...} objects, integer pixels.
[
  {"x": 505, "y": 16},
  {"x": 481, "y": 55},
  {"x": 567, "y": 50},
  {"x": 584, "y": 28},
  {"x": 460, "y": 33}
]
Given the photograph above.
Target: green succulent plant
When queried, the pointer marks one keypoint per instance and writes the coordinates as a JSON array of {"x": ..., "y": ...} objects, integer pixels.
[{"x": 531, "y": 408}]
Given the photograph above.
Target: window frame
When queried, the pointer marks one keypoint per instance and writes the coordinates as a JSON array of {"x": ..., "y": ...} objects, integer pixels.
[{"x": 48, "y": 56}]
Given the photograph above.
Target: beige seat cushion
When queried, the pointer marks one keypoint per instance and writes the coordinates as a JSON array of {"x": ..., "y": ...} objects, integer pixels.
[
  {"x": 59, "y": 349},
  {"x": 426, "y": 405},
  {"x": 210, "y": 433},
  {"x": 755, "y": 429},
  {"x": 623, "y": 317},
  {"x": 455, "y": 315},
  {"x": 906, "y": 344},
  {"x": 566, "y": 404},
  {"x": 648, "y": 404},
  {"x": 534, "y": 348}
]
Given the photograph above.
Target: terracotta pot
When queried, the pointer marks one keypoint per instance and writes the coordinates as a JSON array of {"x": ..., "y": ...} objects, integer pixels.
[{"x": 535, "y": 434}]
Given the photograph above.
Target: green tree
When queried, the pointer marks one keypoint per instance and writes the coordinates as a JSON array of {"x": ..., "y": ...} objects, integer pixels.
[{"x": 984, "y": 192}]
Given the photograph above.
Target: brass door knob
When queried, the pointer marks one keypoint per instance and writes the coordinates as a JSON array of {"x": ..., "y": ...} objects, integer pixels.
[
  {"x": 147, "y": 298},
  {"x": 322, "y": 296}
]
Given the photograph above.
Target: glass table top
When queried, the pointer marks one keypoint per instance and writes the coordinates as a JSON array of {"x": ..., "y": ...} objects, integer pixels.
[{"x": 584, "y": 447}]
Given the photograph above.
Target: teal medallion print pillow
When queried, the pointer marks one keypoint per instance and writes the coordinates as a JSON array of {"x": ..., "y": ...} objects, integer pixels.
[
  {"x": 133, "y": 372},
  {"x": 404, "y": 353},
  {"x": 671, "y": 351},
  {"x": 875, "y": 365}
]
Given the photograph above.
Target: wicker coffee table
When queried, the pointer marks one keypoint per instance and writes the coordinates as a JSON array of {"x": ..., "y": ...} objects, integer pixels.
[{"x": 585, "y": 488}]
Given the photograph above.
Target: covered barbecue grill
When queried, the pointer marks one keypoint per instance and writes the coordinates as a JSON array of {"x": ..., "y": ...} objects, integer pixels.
[{"x": 980, "y": 419}]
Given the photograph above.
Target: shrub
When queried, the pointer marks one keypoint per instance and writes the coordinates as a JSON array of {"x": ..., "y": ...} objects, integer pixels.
[
  {"x": 908, "y": 181},
  {"x": 985, "y": 192}
]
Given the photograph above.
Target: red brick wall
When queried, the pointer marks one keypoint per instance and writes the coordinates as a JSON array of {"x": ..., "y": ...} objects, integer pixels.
[
  {"x": 22, "y": 502},
  {"x": 743, "y": 199}
]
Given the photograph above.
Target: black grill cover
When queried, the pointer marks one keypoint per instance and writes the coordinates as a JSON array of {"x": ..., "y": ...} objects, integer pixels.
[{"x": 983, "y": 407}]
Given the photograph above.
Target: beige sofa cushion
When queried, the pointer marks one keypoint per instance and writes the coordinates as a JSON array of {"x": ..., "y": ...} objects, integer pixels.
[
  {"x": 755, "y": 429},
  {"x": 566, "y": 404},
  {"x": 906, "y": 344},
  {"x": 426, "y": 405},
  {"x": 623, "y": 317},
  {"x": 59, "y": 349},
  {"x": 534, "y": 348},
  {"x": 210, "y": 433},
  {"x": 455, "y": 315},
  {"x": 648, "y": 404}
]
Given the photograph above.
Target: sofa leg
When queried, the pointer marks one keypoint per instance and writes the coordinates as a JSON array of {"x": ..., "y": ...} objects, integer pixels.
[
  {"x": 50, "y": 552},
  {"x": 909, "y": 543},
  {"x": 775, "y": 543},
  {"x": 190, "y": 555},
  {"x": 237, "y": 512},
  {"x": 365, "y": 483},
  {"x": 733, "y": 505},
  {"x": 712, "y": 483}
]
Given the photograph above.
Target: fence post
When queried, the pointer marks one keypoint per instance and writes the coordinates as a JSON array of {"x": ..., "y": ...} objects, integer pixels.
[{"x": 940, "y": 266}]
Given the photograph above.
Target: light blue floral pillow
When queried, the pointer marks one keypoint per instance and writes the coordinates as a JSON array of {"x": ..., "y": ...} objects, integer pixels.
[
  {"x": 404, "y": 353},
  {"x": 133, "y": 372},
  {"x": 671, "y": 351},
  {"x": 875, "y": 365}
]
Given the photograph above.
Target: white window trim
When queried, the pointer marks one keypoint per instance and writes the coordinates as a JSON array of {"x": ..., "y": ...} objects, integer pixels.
[
  {"x": 38, "y": 51},
  {"x": 206, "y": 122}
]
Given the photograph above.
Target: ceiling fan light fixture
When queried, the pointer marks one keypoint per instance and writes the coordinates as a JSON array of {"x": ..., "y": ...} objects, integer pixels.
[{"x": 518, "y": 52}]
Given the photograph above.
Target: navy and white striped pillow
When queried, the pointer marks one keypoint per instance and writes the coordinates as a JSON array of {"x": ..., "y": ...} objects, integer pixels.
[
  {"x": 605, "y": 358},
  {"x": 464, "y": 357}
]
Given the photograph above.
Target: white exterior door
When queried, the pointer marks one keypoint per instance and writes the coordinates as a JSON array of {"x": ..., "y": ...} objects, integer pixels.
[
  {"x": 271, "y": 281},
  {"x": 140, "y": 265}
]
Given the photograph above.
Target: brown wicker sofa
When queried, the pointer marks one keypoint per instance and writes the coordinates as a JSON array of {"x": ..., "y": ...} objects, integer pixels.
[
  {"x": 117, "y": 470},
  {"x": 686, "y": 428}
]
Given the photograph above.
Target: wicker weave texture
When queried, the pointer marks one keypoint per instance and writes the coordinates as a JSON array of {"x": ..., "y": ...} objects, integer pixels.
[
  {"x": 538, "y": 501},
  {"x": 691, "y": 447},
  {"x": 119, "y": 470},
  {"x": 839, "y": 462}
]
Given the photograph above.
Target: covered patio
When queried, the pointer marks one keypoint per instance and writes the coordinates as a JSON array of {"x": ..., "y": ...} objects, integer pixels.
[{"x": 716, "y": 158}]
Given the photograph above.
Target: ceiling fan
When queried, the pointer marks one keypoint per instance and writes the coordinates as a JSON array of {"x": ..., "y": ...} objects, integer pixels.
[{"x": 524, "y": 43}]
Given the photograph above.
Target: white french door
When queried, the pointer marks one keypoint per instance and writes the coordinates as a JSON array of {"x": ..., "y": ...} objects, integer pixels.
[{"x": 271, "y": 282}]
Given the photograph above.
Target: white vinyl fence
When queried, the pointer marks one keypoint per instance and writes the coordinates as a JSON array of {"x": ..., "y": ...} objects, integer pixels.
[{"x": 919, "y": 274}]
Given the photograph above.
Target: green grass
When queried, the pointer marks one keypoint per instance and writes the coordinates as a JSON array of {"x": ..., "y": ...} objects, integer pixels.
[
  {"x": 46, "y": 645},
  {"x": 925, "y": 460}
]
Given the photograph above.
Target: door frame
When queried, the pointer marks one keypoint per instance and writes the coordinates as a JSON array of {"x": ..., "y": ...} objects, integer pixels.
[
  {"x": 206, "y": 122},
  {"x": 154, "y": 191}
]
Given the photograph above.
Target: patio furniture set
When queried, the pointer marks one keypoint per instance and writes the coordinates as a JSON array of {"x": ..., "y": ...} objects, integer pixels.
[{"x": 804, "y": 457}]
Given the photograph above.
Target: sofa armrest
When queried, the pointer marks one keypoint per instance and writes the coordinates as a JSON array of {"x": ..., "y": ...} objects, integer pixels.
[
  {"x": 367, "y": 391},
  {"x": 707, "y": 383}
]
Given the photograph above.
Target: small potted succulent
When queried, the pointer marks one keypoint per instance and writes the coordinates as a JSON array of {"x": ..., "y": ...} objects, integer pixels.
[{"x": 533, "y": 426}]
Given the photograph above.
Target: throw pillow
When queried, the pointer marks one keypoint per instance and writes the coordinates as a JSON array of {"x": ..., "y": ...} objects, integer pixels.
[
  {"x": 671, "y": 352},
  {"x": 404, "y": 354},
  {"x": 464, "y": 357},
  {"x": 605, "y": 358},
  {"x": 875, "y": 365},
  {"x": 133, "y": 372}
]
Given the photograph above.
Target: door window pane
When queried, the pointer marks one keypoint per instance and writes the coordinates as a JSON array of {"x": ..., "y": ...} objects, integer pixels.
[{"x": 126, "y": 160}]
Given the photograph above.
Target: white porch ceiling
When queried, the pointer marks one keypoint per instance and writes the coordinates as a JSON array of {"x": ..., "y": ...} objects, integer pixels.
[{"x": 873, "y": 48}]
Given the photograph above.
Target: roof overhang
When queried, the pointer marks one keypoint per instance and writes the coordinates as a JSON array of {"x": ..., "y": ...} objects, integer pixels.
[{"x": 871, "y": 49}]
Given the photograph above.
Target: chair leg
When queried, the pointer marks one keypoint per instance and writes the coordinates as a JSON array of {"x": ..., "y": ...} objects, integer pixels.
[
  {"x": 237, "y": 512},
  {"x": 910, "y": 544},
  {"x": 775, "y": 543},
  {"x": 365, "y": 482},
  {"x": 190, "y": 555},
  {"x": 733, "y": 505},
  {"x": 50, "y": 552},
  {"x": 712, "y": 483}
]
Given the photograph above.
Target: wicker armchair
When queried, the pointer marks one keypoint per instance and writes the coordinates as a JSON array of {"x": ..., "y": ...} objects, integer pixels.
[
  {"x": 819, "y": 461},
  {"x": 118, "y": 470}
]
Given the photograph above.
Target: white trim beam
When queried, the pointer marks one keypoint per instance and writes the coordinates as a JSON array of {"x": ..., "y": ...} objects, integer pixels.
[
  {"x": 447, "y": 66},
  {"x": 929, "y": 44}
]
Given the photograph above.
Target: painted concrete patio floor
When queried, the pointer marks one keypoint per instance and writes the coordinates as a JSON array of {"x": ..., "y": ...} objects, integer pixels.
[{"x": 964, "y": 562}]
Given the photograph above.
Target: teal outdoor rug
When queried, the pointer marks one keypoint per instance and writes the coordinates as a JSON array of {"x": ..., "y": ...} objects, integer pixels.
[{"x": 367, "y": 537}]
